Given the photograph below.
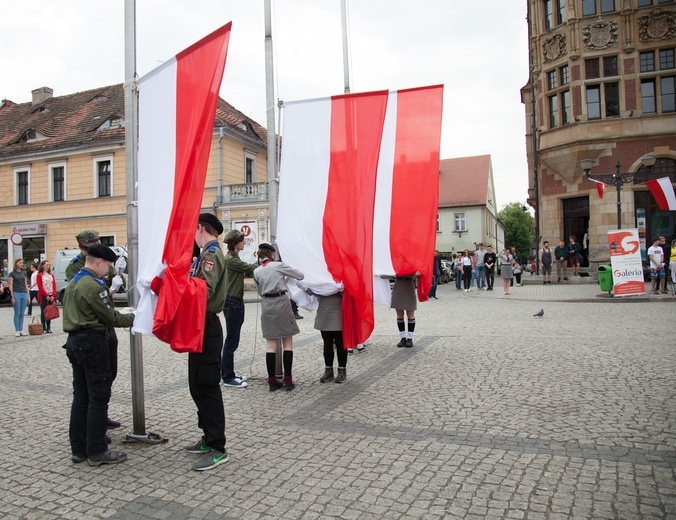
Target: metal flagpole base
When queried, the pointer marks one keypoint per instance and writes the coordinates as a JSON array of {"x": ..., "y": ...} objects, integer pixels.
[{"x": 146, "y": 438}]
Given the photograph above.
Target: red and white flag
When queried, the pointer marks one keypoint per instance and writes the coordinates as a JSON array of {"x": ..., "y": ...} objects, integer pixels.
[
  {"x": 600, "y": 187},
  {"x": 663, "y": 191},
  {"x": 177, "y": 108},
  {"x": 353, "y": 166}
]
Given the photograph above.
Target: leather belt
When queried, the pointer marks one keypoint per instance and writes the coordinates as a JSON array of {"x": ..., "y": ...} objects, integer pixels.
[{"x": 274, "y": 294}]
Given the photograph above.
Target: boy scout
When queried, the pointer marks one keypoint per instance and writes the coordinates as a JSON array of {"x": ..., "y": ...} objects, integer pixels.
[
  {"x": 88, "y": 313},
  {"x": 85, "y": 239},
  {"x": 204, "y": 369}
]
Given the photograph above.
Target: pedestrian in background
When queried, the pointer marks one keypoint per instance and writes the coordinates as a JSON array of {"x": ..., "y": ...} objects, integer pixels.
[
  {"x": 672, "y": 261},
  {"x": 436, "y": 272},
  {"x": 277, "y": 317},
  {"x": 561, "y": 254},
  {"x": 666, "y": 250},
  {"x": 515, "y": 258},
  {"x": 546, "y": 258},
  {"x": 18, "y": 289},
  {"x": 479, "y": 257},
  {"x": 88, "y": 312},
  {"x": 489, "y": 259},
  {"x": 329, "y": 321},
  {"x": 506, "y": 260},
  {"x": 574, "y": 253},
  {"x": 233, "y": 308},
  {"x": 467, "y": 266},
  {"x": 33, "y": 288},
  {"x": 204, "y": 372},
  {"x": 46, "y": 292},
  {"x": 457, "y": 268},
  {"x": 404, "y": 300}
]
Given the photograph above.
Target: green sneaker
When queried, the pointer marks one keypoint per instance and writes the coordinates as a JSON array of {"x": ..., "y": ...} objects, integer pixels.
[
  {"x": 210, "y": 459},
  {"x": 198, "y": 447}
]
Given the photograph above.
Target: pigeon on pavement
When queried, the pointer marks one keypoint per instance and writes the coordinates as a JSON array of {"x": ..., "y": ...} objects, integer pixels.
[{"x": 540, "y": 314}]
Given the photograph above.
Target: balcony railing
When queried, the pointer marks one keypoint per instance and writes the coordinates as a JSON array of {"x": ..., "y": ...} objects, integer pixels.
[{"x": 250, "y": 192}]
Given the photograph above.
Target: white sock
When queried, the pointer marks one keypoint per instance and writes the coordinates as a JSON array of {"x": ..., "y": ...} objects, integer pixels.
[{"x": 402, "y": 334}]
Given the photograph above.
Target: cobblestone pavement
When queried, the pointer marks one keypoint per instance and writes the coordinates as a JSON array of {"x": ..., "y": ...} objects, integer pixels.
[{"x": 493, "y": 414}]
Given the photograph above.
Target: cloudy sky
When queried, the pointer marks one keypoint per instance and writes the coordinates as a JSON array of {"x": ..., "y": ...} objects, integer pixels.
[{"x": 480, "y": 55}]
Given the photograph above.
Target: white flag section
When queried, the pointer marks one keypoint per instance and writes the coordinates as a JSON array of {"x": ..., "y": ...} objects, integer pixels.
[
  {"x": 359, "y": 195},
  {"x": 177, "y": 108}
]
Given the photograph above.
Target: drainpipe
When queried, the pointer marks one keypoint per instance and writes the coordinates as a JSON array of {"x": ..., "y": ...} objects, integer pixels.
[{"x": 219, "y": 191}]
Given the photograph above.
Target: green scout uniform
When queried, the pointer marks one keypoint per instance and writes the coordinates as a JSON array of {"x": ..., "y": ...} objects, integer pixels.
[
  {"x": 78, "y": 263},
  {"x": 236, "y": 268},
  {"x": 204, "y": 369}
]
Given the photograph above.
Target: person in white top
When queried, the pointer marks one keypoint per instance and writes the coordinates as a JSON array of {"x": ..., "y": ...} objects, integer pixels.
[
  {"x": 33, "y": 289},
  {"x": 656, "y": 258}
]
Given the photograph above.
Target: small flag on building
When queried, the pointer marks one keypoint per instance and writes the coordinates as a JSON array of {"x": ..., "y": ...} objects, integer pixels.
[
  {"x": 600, "y": 187},
  {"x": 663, "y": 192}
]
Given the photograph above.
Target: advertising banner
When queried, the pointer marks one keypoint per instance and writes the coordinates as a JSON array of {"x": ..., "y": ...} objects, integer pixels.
[
  {"x": 250, "y": 232},
  {"x": 625, "y": 261}
]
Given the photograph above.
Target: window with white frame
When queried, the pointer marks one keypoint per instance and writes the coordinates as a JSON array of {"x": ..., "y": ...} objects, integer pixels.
[
  {"x": 460, "y": 222},
  {"x": 22, "y": 186},
  {"x": 103, "y": 177},
  {"x": 249, "y": 167},
  {"x": 57, "y": 182}
]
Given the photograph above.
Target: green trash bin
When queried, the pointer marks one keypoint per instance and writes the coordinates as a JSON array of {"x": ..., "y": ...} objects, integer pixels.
[{"x": 605, "y": 274}]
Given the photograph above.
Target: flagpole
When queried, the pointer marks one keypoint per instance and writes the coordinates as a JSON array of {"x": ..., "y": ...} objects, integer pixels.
[
  {"x": 138, "y": 433},
  {"x": 346, "y": 60}
]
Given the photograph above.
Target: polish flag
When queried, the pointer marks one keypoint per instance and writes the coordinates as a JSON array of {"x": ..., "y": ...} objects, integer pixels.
[
  {"x": 349, "y": 162},
  {"x": 177, "y": 108},
  {"x": 663, "y": 192},
  {"x": 600, "y": 187}
]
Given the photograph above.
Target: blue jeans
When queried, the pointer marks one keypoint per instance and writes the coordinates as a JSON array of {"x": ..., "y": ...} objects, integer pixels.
[
  {"x": 481, "y": 276},
  {"x": 458, "y": 279},
  {"x": 433, "y": 289},
  {"x": 234, "y": 319},
  {"x": 20, "y": 302}
]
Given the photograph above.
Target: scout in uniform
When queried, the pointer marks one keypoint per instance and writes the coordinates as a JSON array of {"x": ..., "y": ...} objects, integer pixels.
[
  {"x": 85, "y": 239},
  {"x": 204, "y": 369},
  {"x": 88, "y": 314}
]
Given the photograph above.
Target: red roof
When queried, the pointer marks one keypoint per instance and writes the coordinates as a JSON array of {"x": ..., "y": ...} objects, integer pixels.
[
  {"x": 75, "y": 121},
  {"x": 464, "y": 181}
]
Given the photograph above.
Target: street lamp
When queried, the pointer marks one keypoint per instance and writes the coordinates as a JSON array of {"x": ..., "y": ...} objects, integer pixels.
[{"x": 618, "y": 178}]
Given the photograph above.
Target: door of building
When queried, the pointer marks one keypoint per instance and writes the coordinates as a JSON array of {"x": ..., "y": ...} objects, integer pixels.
[{"x": 576, "y": 222}]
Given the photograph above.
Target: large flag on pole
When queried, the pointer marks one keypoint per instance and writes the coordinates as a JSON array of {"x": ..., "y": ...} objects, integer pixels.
[
  {"x": 359, "y": 194},
  {"x": 663, "y": 192},
  {"x": 177, "y": 107}
]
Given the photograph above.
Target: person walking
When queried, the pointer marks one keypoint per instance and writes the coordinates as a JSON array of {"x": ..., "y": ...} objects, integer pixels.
[
  {"x": 467, "y": 265},
  {"x": 204, "y": 371},
  {"x": 33, "y": 288},
  {"x": 46, "y": 292},
  {"x": 233, "y": 308},
  {"x": 86, "y": 239},
  {"x": 329, "y": 321},
  {"x": 88, "y": 313},
  {"x": 18, "y": 289},
  {"x": 561, "y": 255},
  {"x": 436, "y": 272},
  {"x": 479, "y": 257},
  {"x": 546, "y": 258},
  {"x": 506, "y": 260},
  {"x": 404, "y": 300},
  {"x": 489, "y": 260},
  {"x": 277, "y": 316}
]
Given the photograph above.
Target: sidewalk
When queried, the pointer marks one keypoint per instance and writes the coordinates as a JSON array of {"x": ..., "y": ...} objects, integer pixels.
[{"x": 493, "y": 414}]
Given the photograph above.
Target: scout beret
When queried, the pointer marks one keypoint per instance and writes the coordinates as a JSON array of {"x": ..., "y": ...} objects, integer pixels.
[
  {"x": 88, "y": 236},
  {"x": 267, "y": 246},
  {"x": 232, "y": 235},
  {"x": 101, "y": 251},
  {"x": 211, "y": 220}
]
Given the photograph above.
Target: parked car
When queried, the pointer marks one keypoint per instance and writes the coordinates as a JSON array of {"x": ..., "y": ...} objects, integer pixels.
[
  {"x": 65, "y": 257},
  {"x": 447, "y": 274}
]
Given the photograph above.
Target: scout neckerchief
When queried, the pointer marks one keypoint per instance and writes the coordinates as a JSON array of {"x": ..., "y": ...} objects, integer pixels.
[{"x": 83, "y": 272}]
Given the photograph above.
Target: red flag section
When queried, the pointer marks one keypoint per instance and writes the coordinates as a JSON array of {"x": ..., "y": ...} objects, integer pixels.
[{"x": 663, "y": 191}]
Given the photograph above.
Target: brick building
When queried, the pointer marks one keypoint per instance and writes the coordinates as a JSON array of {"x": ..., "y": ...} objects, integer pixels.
[
  {"x": 62, "y": 165},
  {"x": 602, "y": 87}
]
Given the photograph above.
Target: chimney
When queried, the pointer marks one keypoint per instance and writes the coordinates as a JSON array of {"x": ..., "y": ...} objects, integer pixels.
[{"x": 41, "y": 94}]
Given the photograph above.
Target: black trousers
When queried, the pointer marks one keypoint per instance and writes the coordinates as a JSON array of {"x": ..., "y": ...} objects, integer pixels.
[
  {"x": 87, "y": 351},
  {"x": 329, "y": 337},
  {"x": 204, "y": 378},
  {"x": 490, "y": 277},
  {"x": 112, "y": 350},
  {"x": 466, "y": 275}
]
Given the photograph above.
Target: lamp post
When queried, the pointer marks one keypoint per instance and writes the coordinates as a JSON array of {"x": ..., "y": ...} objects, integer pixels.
[{"x": 618, "y": 178}]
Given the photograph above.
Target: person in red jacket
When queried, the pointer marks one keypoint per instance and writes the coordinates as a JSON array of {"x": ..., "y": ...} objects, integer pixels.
[{"x": 46, "y": 292}]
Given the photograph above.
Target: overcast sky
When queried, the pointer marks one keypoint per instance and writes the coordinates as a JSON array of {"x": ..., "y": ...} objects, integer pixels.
[{"x": 480, "y": 55}]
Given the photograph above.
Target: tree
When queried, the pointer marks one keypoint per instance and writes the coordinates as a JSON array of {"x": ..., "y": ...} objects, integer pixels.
[{"x": 519, "y": 228}]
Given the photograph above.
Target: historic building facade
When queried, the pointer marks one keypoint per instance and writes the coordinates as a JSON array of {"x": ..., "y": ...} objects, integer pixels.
[
  {"x": 602, "y": 87},
  {"x": 62, "y": 165}
]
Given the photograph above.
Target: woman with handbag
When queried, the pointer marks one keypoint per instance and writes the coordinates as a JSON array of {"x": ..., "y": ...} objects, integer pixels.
[{"x": 46, "y": 293}]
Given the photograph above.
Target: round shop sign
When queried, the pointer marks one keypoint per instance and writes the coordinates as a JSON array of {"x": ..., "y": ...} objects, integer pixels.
[{"x": 16, "y": 239}]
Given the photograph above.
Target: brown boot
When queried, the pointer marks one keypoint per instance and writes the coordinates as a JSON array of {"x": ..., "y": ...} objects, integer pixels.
[{"x": 274, "y": 384}]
